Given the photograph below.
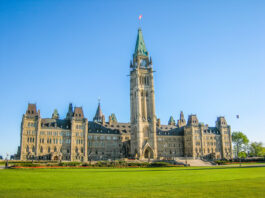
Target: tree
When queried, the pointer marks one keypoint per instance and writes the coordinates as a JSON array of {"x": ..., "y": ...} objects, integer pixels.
[
  {"x": 242, "y": 154},
  {"x": 257, "y": 149},
  {"x": 240, "y": 141}
]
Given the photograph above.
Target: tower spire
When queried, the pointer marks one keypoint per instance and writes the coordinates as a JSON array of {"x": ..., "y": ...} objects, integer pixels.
[
  {"x": 140, "y": 48},
  {"x": 99, "y": 115}
]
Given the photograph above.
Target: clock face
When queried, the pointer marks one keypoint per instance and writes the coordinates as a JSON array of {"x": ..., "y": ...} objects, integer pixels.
[{"x": 143, "y": 62}]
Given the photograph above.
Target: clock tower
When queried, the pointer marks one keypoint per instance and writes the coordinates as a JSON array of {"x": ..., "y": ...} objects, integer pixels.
[{"x": 142, "y": 102}]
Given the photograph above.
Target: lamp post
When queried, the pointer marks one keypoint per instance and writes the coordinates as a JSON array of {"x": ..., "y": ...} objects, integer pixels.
[{"x": 6, "y": 165}]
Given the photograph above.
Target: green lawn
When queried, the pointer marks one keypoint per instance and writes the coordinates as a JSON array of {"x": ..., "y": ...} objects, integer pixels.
[{"x": 134, "y": 182}]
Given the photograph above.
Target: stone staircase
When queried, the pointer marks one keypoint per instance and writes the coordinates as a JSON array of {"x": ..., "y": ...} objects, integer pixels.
[{"x": 194, "y": 162}]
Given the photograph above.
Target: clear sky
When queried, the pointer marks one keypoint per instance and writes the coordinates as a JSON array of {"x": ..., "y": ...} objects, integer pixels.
[{"x": 209, "y": 58}]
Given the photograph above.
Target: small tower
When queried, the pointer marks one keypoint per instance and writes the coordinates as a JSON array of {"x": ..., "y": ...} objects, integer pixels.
[
  {"x": 99, "y": 117},
  {"x": 171, "y": 121},
  {"x": 55, "y": 114},
  {"x": 193, "y": 120},
  {"x": 70, "y": 111},
  {"x": 112, "y": 119},
  {"x": 181, "y": 121}
]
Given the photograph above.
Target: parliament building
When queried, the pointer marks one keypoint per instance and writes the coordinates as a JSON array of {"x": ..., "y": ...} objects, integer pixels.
[{"x": 75, "y": 138}]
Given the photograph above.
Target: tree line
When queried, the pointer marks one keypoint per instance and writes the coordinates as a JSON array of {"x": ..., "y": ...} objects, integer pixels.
[{"x": 244, "y": 148}]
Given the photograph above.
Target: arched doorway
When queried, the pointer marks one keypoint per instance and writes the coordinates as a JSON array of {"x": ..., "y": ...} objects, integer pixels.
[{"x": 148, "y": 153}]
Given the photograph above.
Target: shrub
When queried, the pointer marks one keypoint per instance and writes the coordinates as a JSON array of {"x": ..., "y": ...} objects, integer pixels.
[
  {"x": 160, "y": 164},
  {"x": 29, "y": 164},
  {"x": 69, "y": 164}
]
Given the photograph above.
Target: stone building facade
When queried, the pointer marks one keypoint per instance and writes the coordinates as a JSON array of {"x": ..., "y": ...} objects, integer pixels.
[{"x": 74, "y": 138}]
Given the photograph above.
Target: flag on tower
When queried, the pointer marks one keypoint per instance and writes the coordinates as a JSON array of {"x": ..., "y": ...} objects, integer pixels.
[{"x": 140, "y": 17}]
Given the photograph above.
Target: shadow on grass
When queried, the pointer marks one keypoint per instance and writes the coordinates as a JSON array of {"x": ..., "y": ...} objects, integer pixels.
[{"x": 158, "y": 169}]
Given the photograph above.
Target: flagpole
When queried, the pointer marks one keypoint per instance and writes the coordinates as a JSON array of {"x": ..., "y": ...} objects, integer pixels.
[{"x": 140, "y": 17}]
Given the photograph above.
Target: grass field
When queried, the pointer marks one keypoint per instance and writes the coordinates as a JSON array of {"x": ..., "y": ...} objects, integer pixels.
[{"x": 134, "y": 182}]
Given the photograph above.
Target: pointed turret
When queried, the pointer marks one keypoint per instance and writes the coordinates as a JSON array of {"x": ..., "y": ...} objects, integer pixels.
[
  {"x": 99, "y": 115},
  {"x": 181, "y": 121},
  {"x": 140, "y": 49},
  {"x": 55, "y": 114},
  {"x": 112, "y": 119},
  {"x": 70, "y": 111},
  {"x": 140, "y": 55},
  {"x": 171, "y": 121}
]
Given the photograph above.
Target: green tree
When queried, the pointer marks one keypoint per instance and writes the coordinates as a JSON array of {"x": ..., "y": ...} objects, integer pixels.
[
  {"x": 257, "y": 149},
  {"x": 242, "y": 154},
  {"x": 240, "y": 141}
]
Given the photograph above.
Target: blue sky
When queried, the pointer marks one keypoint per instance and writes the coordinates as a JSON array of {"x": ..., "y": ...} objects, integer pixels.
[{"x": 208, "y": 57}]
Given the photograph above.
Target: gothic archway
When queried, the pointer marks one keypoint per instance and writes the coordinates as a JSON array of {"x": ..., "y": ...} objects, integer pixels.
[{"x": 148, "y": 153}]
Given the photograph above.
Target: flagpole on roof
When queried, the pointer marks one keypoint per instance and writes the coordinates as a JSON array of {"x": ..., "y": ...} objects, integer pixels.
[{"x": 140, "y": 17}]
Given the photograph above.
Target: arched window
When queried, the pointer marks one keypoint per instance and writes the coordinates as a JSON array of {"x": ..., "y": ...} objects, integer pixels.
[
  {"x": 41, "y": 149},
  {"x": 27, "y": 149},
  {"x": 33, "y": 148},
  {"x": 49, "y": 149},
  {"x": 82, "y": 150},
  {"x": 55, "y": 149},
  {"x": 76, "y": 150}
]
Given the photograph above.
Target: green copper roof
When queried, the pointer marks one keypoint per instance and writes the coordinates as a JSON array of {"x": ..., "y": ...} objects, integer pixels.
[
  {"x": 171, "y": 120},
  {"x": 55, "y": 114},
  {"x": 140, "y": 48},
  {"x": 113, "y": 117}
]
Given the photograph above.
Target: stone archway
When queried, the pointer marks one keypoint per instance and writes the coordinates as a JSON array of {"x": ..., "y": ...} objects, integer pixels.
[{"x": 148, "y": 153}]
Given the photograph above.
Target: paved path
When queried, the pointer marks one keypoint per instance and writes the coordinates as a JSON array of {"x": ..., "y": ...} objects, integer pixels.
[
  {"x": 2, "y": 167},
  {"x": 195, "y": 162}
]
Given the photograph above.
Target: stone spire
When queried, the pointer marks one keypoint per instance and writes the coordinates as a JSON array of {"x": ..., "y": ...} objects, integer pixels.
[
  {"x": 99, "y": 115},
  {"x": 140, "y": 49},
  {"x": 70, "y": 111},
  {"x": 181, "y": 121}
]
